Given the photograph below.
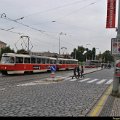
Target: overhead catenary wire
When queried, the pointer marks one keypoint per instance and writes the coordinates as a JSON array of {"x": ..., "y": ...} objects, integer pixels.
[
  {"x": 11, "y": 31},
  {"x": 44, "y": 32},
  {"x": 58, "y": 7}
]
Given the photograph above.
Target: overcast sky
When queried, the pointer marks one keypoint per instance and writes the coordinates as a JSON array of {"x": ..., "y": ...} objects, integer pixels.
[{"x": 82, "y": 22}]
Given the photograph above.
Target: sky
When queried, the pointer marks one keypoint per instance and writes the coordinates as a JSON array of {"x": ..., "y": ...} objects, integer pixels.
[{"x": 50, "y": 23}]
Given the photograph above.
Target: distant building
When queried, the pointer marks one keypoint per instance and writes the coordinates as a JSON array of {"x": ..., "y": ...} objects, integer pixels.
[
  {"x": 2, "y": 44},
  {"x": 48, "y": 54}
]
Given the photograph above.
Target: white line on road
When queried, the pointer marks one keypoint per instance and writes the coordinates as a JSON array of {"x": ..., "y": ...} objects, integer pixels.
[
  {"x": 92, "y": 81},
  {"x": 101, "y": 81},
  {"x": 110, "y": 81},
  {"x": 2, "y": 89},
  {"x": 73, "y": 79},
  {"x": 84, "y": 80},
  {"x": 67, "y": 79}
]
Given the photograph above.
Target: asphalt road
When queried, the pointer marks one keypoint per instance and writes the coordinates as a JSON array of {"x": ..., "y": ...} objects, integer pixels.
[{"x": 31, "y": 95}]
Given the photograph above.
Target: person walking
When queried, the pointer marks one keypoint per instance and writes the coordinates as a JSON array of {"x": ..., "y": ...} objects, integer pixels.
[
  {"x": 78, "y": 72},
  {"x": 74, "y": 73},
  {"x": 82, "y": 71}
]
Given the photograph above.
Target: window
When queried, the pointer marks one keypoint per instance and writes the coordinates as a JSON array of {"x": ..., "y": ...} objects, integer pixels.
[
  {"x": 12, "y": 60},
  {"x": 7, "y": 59},
  {"x": 43, "y": 60},
  {"x": 19, "y": 59},
  {"x": 47, "y": 61},
  {"x": 26, "y": 60},
  {"x": 33, "y": 60},
  {"x": 38, "y": 60}
]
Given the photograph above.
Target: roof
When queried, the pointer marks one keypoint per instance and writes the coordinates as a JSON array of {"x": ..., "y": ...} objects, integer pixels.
[{"x": 2, "y": 42}]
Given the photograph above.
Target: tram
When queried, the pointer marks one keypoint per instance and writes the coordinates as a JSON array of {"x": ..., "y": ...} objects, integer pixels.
[
  {"x": 12, "y": 63},
  {"x": 92, "y": 64}
]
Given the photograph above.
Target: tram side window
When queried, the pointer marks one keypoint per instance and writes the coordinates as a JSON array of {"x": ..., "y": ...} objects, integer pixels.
[
  {"x": 60, "y": 61},
  {"x": 26, "y": 60},
  {"x": 33, "y": 60},
  {"x": 47, "y": 61},
  {"x": 19, "y": 60},
  {"x": 53, "y": 62},
  {"x": 38, "y": 60},
  {"x": 43, "y": 61}
]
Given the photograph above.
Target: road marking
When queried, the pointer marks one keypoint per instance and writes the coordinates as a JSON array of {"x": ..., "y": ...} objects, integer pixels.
[
  {"x": 101, "y": 81},
  {"x": 84, "y": 80},
  {"x": 2, "y": 89},
  {"x": 34, "y": 83},
  {"x": 92, "y": 81},
  {"x": 109, "y": 82},
  {"x": 73, "y": 79},
  {"x": 67, "y": 79},
  {"x": 98, "y": 107}
]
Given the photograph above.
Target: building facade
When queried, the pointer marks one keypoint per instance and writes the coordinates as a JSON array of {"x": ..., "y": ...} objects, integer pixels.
[{"x": 2, "y": 44}]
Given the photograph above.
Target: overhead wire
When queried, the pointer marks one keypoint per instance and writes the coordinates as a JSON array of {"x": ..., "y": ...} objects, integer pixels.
[
  {"x": 42, "y": 31},
  {"x": 75, "y": 11},
  {"x": 11, "y": 31},
  {"x": 59, "y": 7}
]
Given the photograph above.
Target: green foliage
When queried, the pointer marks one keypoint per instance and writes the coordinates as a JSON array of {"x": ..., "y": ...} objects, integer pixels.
[
  {"x": 6, "y": 50},
  {"x": 22, "y": 51},
  {"x": 82, "y": 53}
]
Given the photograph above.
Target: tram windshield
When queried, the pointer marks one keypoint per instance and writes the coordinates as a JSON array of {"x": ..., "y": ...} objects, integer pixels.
[{"x": 7, "y": 59}]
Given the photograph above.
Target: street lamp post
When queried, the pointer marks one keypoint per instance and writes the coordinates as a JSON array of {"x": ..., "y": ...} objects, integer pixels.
[
  {"x": 59, "y": 40},
  {"x": 95, "y": 53},
  {"x": 86, "y": 52}
]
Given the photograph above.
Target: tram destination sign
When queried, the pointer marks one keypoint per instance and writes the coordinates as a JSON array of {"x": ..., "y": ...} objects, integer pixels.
[{"x": 115, "y": 46}]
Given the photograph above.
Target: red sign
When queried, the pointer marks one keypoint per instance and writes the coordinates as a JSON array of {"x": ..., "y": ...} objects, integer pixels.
[{"x": 111, "y": 13}]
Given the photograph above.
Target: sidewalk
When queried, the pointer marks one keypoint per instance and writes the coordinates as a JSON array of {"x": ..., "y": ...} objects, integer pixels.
[{"x": 90, "y": 70}]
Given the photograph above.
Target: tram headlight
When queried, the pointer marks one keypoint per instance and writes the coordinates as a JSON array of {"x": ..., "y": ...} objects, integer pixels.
[{"x": 5, "y": 68}]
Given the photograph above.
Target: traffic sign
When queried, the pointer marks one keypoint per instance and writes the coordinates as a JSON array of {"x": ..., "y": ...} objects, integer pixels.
[{"x": 115, "y": 46}]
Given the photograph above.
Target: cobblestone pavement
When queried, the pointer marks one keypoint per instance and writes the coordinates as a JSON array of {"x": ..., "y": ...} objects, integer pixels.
[
  {"x": 52, "y": 99},
  {"x": 111, "y": 107}
]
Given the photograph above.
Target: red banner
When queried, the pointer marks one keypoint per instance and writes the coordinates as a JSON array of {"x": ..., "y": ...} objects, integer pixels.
[{"x": 111, "y": 13}]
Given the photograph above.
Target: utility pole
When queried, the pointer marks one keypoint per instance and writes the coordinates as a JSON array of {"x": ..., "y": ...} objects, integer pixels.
[
  {"x": 59, "y": 40},
  {"x": 115, "y": 89}
]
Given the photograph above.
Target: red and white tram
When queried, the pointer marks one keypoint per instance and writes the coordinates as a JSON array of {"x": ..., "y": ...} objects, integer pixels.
[{"x": 12, "y": 63}]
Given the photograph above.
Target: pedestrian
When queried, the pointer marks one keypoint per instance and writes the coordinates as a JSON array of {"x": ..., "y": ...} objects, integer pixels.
[
  {"x": 78, "y": 71},
  {"x": 74, "y": 73},
  {"x": 82, "y": 71}
]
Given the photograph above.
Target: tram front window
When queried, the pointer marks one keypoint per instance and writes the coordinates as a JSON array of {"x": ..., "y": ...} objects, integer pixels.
[{"x": 7, "y": 59}]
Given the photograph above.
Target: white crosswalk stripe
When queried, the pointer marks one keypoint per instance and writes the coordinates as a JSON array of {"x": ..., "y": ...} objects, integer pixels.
[
  {"x": 67, "y": 79},
  {"x": 92, "y": 81},
  {"x": 101, "y": 81},
  {"x": 84, "y": 80},
  {"x": 109, "y": 82},
  {"x": 74, "y": 79}
]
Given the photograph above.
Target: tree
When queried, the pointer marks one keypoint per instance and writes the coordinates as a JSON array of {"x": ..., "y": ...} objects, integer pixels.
[
  {"x": 6, "y": 50},
  {"x": 107, "y": 57},
  {"x": 93, "y": 53},
  {"x": 78, "y": 53},
  {"x": 22, "y": 51}
]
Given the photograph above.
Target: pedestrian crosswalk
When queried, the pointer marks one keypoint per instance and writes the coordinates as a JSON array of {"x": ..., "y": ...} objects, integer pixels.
[{"x": 90, "y": 80}]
